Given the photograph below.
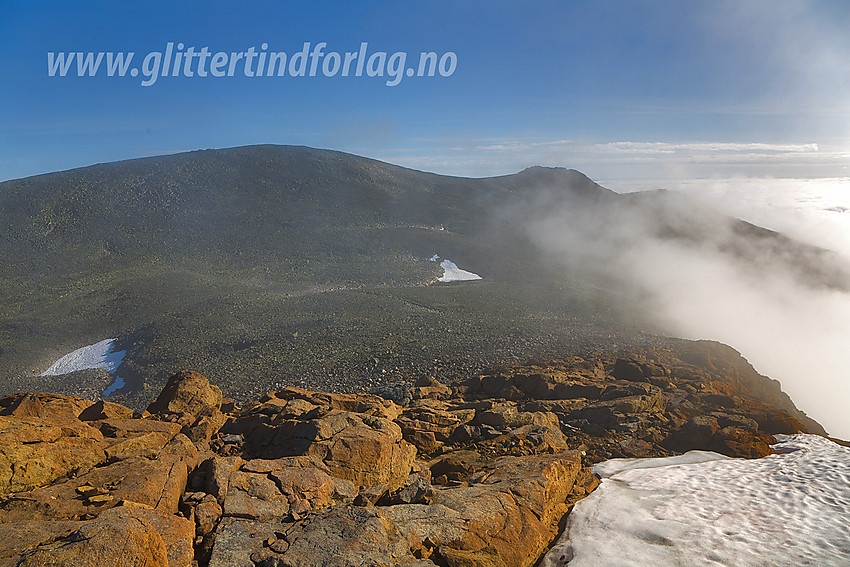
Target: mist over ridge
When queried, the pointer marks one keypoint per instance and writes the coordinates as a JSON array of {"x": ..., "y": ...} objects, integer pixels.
[{"x": 701, "y": 274}]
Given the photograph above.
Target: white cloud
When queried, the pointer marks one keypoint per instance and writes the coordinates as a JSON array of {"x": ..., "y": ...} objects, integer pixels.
[
  {"x": 514, "y": 146},
  {"x": 709, "y": 147},
  {"x": 628, "y": 159}
]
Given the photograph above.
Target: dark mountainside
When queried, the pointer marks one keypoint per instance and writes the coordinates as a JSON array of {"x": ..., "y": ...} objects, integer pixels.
[
  {"x": 273, "y": 264},
  {"x": 267, "y": 266}
]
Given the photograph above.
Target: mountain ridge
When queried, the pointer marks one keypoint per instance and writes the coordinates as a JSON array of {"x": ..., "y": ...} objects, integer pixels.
[{"x": 252, "y": 261}]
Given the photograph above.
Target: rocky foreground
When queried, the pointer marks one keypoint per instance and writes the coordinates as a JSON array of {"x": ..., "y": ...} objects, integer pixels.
[{"x": 481, "y": 473}]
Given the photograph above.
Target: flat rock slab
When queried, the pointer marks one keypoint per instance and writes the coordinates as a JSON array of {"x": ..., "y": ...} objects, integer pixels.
[
  {"x": 236, "y": 540},
  {"x": 35, "y": 451},
  {"x": 120, "y": 537}
]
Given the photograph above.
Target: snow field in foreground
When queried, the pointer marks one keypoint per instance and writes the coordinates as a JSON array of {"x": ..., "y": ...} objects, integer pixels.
[{"x": 790, "y": 508}]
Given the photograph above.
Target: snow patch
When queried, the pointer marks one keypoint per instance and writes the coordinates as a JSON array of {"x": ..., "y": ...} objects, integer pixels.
[
  {"x": 451, "y": 273},
  {"x": 98, "y": 355},
  {"x": 789, "y": 508}
]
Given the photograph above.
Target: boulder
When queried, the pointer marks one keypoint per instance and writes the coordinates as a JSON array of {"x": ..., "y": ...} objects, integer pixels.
[
  {"x": 265, "y": 489},
  {"x": 628, "y": 370},
  {"x": 416, "y": 490},
  {"x": 538, "y": 438},
  {"x": 237, "y": 540},
  {"x": 737, "y": 442},
  {"x": 255, "y": 497},
  {"x": 218, "y": 472},
  {"x": 207, "y": 515},
  {"x": 367, "y": 404},
  {"x": 189, "y": 392},
  {"x": 735, "y": 420},
  {"x": 505, "y": 416},
  {"x": 400, "y": 393},
  {"x": 507, "y": 515},
  {"x": 205, "y": 427},
  {"x": 429, "y": 424},
  {"x": 177, "y": 534},
  {"x": 576, "y": 390},
  {"x": 47, "y": 406},
  {"x": 437, "y": 417},
  {"x": 105, "y": 410},
  {"x": 18, "y": 538},
  {"x": 426, "y": 442},
  {"x": 452, "y": 557},
  {"x": 365, "y": 449},
  {"x": 147, "y": 445},
  {"x": 695, "y": 434},
  {"x": 429, "y": 388},
  {"x": 123, "y": 428},
  {"x": 342, "y": 536}
]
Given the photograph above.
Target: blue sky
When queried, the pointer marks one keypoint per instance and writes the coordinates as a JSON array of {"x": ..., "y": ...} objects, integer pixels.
[{"x": 620, "y": 90}]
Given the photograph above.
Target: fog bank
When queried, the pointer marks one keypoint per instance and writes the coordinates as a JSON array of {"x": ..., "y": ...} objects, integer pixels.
[{"x": 702, "y": 275}]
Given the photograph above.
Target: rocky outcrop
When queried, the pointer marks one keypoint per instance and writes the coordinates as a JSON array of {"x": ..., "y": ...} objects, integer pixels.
[
  {"x": 35, "y": 451},
  {"x": 422, "y": 475},
  {"x": 354, "y": 436},
  {"x": 505, "y": 514},
  {"x": 650, "y": 402},
  {"x": 78, "y": 476}
]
